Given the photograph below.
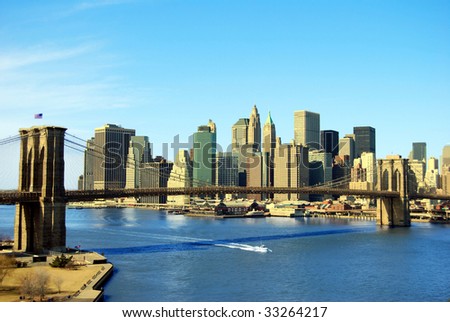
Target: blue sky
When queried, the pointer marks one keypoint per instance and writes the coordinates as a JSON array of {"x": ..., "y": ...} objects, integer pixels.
[{"x": 164, "y": 67}]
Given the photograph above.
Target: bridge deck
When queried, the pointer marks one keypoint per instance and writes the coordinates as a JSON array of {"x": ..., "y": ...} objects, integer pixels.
[{"x": 11, "y": 197}]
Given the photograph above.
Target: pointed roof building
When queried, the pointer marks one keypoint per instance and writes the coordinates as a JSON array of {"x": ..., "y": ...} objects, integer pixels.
[
  {"x": 254, "y": 130},
  {"x": 269, "y": 135}
]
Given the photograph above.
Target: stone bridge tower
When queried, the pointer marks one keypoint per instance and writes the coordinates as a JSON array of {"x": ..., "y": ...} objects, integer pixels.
[
  {"x": 41, "y": 226},
  {"x": 393, "y": 175}
]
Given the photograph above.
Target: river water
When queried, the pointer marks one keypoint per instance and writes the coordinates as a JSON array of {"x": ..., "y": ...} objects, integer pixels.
[{"x": 173, "y": 258}]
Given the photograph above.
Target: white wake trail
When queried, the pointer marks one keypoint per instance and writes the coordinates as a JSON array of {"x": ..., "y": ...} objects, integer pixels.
[{"x": 248, "y": 248}]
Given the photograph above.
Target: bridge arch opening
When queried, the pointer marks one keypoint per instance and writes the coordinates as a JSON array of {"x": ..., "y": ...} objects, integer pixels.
[
  {"x": 27, "y": 176},
  {"x": 396, "y": 181},
  {"x": 385, "y": 181}
]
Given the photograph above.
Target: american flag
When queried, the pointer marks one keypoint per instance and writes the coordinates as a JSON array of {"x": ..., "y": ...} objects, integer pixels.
[{"x": 38, "y": 116}]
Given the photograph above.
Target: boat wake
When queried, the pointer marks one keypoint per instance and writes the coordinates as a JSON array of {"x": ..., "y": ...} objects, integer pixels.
[
  {"x": 185, "y": 243},
  {"x": 249, "y": 248}
]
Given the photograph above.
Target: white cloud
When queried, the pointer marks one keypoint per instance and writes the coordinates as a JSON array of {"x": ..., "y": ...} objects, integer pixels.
[
  {"x": 39, "y": 54},
  {"x": 66, "y": 84}
]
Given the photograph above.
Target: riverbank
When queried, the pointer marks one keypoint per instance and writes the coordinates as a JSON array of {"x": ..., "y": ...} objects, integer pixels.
[
  {"x": 359, "y": 214},
  {"x": 81, "y": 283}
]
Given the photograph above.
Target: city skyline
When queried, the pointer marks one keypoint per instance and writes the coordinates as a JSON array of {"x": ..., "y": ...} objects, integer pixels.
[
  {"x": 187, "y": 146},
  {"x": 164, "y": 67}
]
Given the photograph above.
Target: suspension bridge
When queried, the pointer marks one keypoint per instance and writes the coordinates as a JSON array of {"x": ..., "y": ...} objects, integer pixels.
[{"x": 41, "y": 197}]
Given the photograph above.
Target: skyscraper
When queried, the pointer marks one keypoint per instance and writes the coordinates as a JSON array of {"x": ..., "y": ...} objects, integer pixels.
[
  {"x": 88, "y": 174},
  {"x": 227, "y": 169},
  {"x": 445, "y": 169},
  {"x": 347, "y": 149},
  {"x": 363, "y": 173},
  {"x": 269, "y": 136},
  {"x": 180, "y": 177},
  {"x": 419, "y": 151},
  {"x": 239, "y": 143},
  {"x": 445, "y": 179},
  {"x": 329, "y": 140},
  {"x": 239, "y": 134},
  {"x": 154, "y": 174},
  {"x": 320, "y": 167},
  {"x": 418, "y": 169},
  {"x": 432, "y": 173},
  {"x": 205, "y": 146},
  {"x": 370, "y": 164},
  {"x": 246, "y": 140},
  {"x": 320, "y": 171},
  {"x": 445, "y": 156},
  {"x": 258, "y": 173},
  {"x": 254, "y": 130},
  {"x": 269, "y": 144},
  {"x": 307, "y": 129},
  {"x": 111, "y": 143},
  {"x": 291, "y": 169},
  {"x": 365, "y": 140},
  {"x": 139, "y": 152}
]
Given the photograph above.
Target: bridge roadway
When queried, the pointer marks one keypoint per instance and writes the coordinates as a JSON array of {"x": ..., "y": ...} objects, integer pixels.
[{"x": 12, "y": 196}]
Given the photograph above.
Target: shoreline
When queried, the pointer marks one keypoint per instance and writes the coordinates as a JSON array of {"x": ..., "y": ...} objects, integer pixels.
[{"x": 360, "y": 214}]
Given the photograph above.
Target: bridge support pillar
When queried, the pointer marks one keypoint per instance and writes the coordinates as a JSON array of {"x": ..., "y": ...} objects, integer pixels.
[
  {"x": 41, "y": 226},
  {"x": 393, "y": 176}
]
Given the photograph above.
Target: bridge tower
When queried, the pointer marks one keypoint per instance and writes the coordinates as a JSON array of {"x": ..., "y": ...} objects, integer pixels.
[
  {"x": 393, "y": 176},
  {"x": 41, "y": 226}
]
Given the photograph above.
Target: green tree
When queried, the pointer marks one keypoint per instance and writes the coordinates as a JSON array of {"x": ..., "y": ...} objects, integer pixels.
[{"x": 61, "y": 261}]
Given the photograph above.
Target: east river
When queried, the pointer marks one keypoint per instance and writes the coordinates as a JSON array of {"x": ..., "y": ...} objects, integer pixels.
[{"x": 173, "y": 258}]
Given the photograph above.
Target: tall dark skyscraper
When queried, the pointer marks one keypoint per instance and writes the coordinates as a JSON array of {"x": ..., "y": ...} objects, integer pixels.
[
  {"x": 329, "y": 140},
  {"x": 110, "y": 146},
  {"x": 205, "y": 146},
  {"x": 364, "y": 140},
  {"x": 419, "y": 151}
]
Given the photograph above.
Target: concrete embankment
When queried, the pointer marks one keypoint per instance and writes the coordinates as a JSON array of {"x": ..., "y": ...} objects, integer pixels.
[{"x": 92, "y": 289}]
